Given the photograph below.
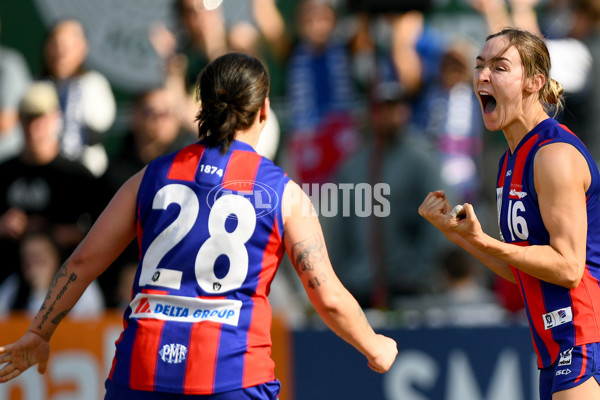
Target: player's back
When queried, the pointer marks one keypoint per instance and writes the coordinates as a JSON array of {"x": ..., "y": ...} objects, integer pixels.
[{"x": 210, "y": 237}]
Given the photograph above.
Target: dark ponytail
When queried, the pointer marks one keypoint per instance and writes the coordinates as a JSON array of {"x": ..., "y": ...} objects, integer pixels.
[{"x": 231, "y": 91}]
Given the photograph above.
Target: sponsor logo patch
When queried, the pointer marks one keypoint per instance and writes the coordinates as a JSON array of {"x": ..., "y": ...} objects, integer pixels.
[
  {"x": 516, "y": 194},
  {"x": 565, "y": 371},
  {"x": 566, "y": 357},
  {"x": 557, "y": 317},
  {"x": 185, "y": 309},
  {"x": 173, "y": 353}
]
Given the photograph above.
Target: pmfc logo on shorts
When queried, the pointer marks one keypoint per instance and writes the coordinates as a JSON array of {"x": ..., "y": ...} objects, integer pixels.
[{"x": 173, "y": 353}]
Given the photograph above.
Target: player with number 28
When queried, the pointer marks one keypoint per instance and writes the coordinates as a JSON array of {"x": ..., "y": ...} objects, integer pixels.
[{"x": 212, "y": 223}]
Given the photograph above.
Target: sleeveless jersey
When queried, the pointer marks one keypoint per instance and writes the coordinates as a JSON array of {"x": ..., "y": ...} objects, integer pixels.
[
  {"x": 559, "y": 318},
  {"x": 210, "y": 234}
]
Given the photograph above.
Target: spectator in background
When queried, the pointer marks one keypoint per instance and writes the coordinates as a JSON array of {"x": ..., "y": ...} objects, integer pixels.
[
  {"x": 86, "y": 99},
  {"x": 14, "y": 80},
  {"x": 582, "y": 107},
  {"x": 381, "y": 258},
  {"x": 41, "y": 190},
  {"x": 155, "y": 131},
  {"x": 25, "y": 290},
  {"x": 396, "y": 46},
  {"x": 465, "y": 298},
  {"x": 450, "y": 117},
  {"x": 320, "y": 96},
  {"x": 206, "y": 36},
  {"x": 251, "y": 22},
  {"x": 202, "y": 38}
]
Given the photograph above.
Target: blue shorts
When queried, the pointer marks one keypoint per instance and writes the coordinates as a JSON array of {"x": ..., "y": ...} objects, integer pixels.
[
  {"x": 574, "y": 366},
  {"x": 265, "y": 391}
]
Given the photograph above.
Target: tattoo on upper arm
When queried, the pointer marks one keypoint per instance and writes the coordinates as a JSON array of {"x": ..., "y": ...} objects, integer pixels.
[
  {"x": 317, "y": 280},
  {"x": 307, "y": 253},
  {"x": 62, "y": 272}
]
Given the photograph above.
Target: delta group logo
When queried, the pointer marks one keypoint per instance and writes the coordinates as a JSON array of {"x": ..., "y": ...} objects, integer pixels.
[{"x": 185, "y": 309}]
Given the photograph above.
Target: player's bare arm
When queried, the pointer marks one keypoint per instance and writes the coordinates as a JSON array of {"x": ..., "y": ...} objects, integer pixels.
[
  {"x": 303, "y": 239},
  {"x": 113, "y": 231},
  {"x": 307, "y": 254},
  {"x": 561, "y": 187},
  {"x": 561, "y": 178}
]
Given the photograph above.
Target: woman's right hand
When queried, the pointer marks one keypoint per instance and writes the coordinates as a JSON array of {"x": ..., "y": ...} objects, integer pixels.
[
  {"x": 436, "y": 209},
  {"x": 387, "y": 350}
]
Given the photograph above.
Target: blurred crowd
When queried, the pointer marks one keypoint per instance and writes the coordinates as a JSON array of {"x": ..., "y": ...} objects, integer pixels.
[{"x": 373, "y": 92}]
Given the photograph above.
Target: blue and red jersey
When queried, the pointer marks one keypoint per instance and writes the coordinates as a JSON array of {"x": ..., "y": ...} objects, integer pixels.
[
  {"x": 559, "y": 318},
  {"x": 210, "y": 234}
]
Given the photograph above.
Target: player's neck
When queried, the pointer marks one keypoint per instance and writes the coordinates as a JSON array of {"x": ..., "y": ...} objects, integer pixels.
[{"x": 251, "y": 135}]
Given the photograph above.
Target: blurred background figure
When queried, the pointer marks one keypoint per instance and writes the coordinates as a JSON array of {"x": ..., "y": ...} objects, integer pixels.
[
  {"x": 383, "y": 258},
  {"x": 449, "y": 116},
  {"x": 465, "y": 298},
  {"x": 14, "y": 80},
  {"x": 206, "y": 33},
  {"x": 582, "y": 104},
  {"x": 26, "y": 289},
  {"x": 125, "y": 281},
  {"x": 200, "y": 37},
  {"x": 40, "y": 189},
  {"x": 155, "y": 130},
  {"x": 320, "y": 96},
  {"x": 86, "y": 98},
  {"x": 251, "y": 24}
]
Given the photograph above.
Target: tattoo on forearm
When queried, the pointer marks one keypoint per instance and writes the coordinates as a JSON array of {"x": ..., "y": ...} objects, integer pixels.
[
  {"x": 56, "y": 320},
  {"x": 62, "y": 272},
  {"x": 307, "y": 253}
]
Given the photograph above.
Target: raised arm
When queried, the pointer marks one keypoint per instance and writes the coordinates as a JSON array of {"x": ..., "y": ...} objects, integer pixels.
[
  {"x": 562, "y": 177},
  {"x": 303, "y": 239},
  {"x": 109, "y": 236}
]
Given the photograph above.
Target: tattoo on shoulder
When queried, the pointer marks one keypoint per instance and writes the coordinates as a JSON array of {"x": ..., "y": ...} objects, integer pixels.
[{"x": 307, "y": 253}]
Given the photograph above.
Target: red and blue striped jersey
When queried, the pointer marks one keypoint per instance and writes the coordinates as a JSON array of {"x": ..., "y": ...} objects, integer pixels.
[
  {"x": 559, "y": 318},
  {"x": 210, "y": 234}
]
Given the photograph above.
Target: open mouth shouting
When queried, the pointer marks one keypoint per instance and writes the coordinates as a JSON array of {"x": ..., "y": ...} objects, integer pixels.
[{"x": 488, "y": 102}]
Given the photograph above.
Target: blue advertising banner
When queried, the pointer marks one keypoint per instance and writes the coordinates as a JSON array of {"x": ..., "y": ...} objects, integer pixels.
[{"x": 432, "y": 364}]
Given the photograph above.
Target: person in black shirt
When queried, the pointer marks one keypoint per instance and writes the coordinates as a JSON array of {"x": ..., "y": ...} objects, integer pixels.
[{"x": 40, "y": 190}]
